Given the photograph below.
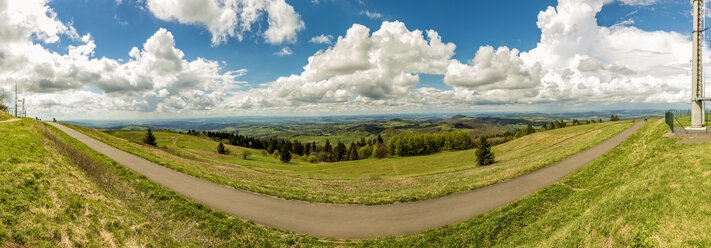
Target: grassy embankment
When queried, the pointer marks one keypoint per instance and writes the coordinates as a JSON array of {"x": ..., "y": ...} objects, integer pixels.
[
  {"x": 4, "y": 116},
  {"x": 647, "y": 192},
  {"x": 368, "y": 181},
  {"x": 54, "y": 191}
]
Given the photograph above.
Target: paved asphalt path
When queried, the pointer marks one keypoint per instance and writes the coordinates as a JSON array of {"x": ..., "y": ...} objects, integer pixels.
[{"x": 353, "y": 221}]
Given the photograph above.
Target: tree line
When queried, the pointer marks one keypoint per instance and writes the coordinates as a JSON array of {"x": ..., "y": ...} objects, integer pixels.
[
  {"x": 412, "y": 144},
  {"x": 398, "y": 145}
]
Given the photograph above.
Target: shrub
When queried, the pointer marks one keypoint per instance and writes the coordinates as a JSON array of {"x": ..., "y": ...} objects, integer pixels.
[
  {"x": 312, "y": 159},
  {"x": 246, "y": 153},
  {"x": 365, "y": 152},
  {"x": 380, "y": 151},
  {"x": 3, "y": 107},
  {"x": 323, "y": 156}
]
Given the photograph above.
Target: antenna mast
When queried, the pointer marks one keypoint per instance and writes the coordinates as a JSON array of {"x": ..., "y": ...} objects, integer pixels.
[
  {"x": 15, "y": 99},
  {"x": 697, "y": 74}
]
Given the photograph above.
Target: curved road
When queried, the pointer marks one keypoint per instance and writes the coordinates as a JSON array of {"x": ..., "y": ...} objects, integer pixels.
[{"x": 353, "y": 221}]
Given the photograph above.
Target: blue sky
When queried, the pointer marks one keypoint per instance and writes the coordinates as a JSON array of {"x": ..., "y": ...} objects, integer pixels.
[
  {"x": 468, "y": 24},
  {"x": 605, "y": 53}
]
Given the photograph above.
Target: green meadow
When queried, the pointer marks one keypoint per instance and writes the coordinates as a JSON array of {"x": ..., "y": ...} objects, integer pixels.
[
  {"x": 647, "y": 192},
  {"x": 369, "y": 181}
]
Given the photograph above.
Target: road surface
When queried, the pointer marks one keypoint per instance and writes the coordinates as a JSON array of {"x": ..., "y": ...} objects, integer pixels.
[{"x": 353, "y": 221}]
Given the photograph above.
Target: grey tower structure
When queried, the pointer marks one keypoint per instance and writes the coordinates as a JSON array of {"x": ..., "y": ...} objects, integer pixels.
[{"x": 697, "y": 71}]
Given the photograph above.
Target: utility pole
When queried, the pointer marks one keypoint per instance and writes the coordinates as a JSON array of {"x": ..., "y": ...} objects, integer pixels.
[
  {"x": 16, "y": 99},
  {"x": 697, "y": 71}
]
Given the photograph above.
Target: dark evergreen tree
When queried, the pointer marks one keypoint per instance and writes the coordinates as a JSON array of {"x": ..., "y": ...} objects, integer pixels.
[
  {"x": 484, "y": 156},
  {"x": 150, "y": 139},
  {"x": 530, "y": 129},
  {"x": 327, "y": 146},
  {"x": 340, "y": 152},
  {"x": 353, "y": 152},
  {"x": 380, "y": 139},
  {"x": 307, "y": 149},
  {"x": 285, "y": 155},
  {"x": 221, "y": 148}
]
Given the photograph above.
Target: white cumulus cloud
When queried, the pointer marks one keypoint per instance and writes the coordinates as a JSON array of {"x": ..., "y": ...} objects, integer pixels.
[
  {"x": 576, "y": 62},
  {"x": 155, "y": 79},
  {"x": 232, "y": 18},
  {"x": 285, "y": 51},
  {"x": 322, "y": 39}
]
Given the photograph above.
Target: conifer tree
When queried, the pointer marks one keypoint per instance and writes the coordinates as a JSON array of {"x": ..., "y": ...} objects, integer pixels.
[
  {"x": 285, "y": 156},
  {"x": 327, "y": 146},
  {"x": 307, "y": 149},
  {"x": 380, "y": 139},
  {"x": 150, "y": 139},
  {"x": 340, "y": 152},
  {"x": 353, "y": 152},
  {"x": 530, "y": 129},
  {"x": 484, "y": 156},
  {"x": 221, "y": 148}
]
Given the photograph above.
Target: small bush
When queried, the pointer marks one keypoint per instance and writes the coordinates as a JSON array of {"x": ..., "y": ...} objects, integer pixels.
[
  {"x": 246, "y": 153},
  {"x": 380, "y": 151},
  {"x": 312, "y": 159}
]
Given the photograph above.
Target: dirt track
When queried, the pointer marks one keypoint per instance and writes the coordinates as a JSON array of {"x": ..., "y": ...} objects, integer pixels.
[
  {"x": 10, "y": 120},
  {"x": 353, "y": 221}
]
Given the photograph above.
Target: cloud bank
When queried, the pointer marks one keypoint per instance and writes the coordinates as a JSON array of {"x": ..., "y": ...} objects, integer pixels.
[
  {"x": 575, "y": 62},
  {"x": 232, "y": 18},
  {"x": 156, "y": 79}
]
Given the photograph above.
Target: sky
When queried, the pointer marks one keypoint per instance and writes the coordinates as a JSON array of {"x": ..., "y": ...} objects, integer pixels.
[{"x": 128, "y": 59}]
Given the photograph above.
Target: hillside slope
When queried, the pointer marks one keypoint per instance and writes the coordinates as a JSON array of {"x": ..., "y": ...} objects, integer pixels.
[
  {"x": 54, "y": 192},
  {"x": 647, "y": 192},
  {"x": 368, "y": 181},
  {"x": 4, "y": 116}
]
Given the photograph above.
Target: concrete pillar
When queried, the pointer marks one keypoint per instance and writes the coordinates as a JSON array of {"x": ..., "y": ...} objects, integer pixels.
[{"x": 697, "y": 74}]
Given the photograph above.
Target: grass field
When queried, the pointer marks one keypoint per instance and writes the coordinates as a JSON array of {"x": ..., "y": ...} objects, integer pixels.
[
  {"x": 4, "y": 116},
  {"x": 56, "y": 192},
  {"x": 368, "y": 181},
  {"x": 647, "y": 192}
]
